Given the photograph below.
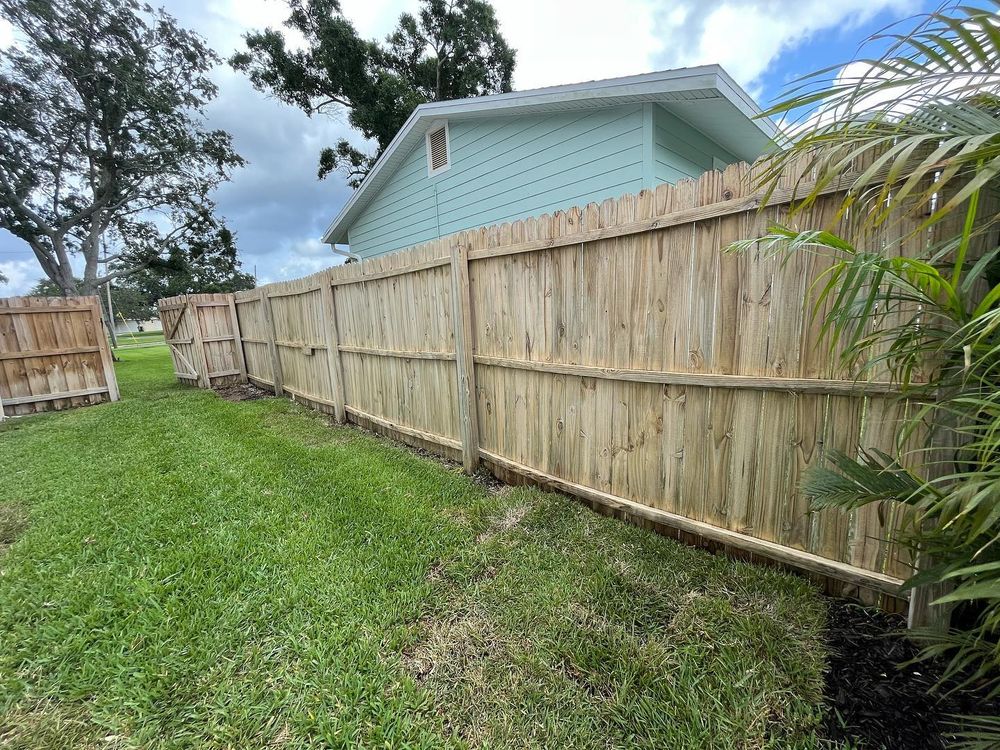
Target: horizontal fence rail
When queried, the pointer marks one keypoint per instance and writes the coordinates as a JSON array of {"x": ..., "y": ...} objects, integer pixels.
[
  {"x": 203, "y": 338},
  {"x": 54, "y": 355},
  {"x": 615, "y": 352}
]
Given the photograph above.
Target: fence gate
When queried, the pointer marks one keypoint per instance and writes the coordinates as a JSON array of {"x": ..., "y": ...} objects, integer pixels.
[{"x": 204, "y": 339}]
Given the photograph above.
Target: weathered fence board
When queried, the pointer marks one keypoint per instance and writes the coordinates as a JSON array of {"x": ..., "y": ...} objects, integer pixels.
[
  {"x": 54, "y": 355},
  {"x": 612, "y": 351},
  {"x": 203, "y": 335}
]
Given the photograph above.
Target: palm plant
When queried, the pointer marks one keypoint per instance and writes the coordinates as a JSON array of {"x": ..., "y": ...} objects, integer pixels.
[{"x": 916, "y": 131}]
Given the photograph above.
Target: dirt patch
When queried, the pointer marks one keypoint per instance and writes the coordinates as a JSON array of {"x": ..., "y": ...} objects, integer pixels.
[
  {"x": 491, "y": 484},
  {"x": 242, "y": 392},
  {"x": 13, "y": 522},
  {"x": 876, "y": 702},
  {"x": 437, "y": 572},
  {"x": 510, "y": 518},
  {"x": 53, "y": 724},
  {"x": 455, "y": 647}
]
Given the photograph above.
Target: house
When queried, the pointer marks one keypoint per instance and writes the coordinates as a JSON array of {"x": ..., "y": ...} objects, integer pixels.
[{"x": 466, "y": 163}]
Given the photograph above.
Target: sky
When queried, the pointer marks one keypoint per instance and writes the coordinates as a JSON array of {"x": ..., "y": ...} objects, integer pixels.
[{"x": 279, "y": 209}]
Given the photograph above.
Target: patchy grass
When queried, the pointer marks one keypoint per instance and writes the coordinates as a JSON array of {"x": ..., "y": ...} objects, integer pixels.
[
  {"x": 201, "y": 573},
  {"x": 13, "y": 522}
]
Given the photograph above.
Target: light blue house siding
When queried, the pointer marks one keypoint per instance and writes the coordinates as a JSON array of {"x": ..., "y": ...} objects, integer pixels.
[
  {"x": 510, "y": 167},
  {"x": 681, "y": 152}
]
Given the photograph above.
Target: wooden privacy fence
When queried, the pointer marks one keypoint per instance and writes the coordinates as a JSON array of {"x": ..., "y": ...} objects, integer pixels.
[
  {"x": 54, "y": 355},
  {"x": 203, "y": 340},
  {"x": 613, "y": 351}
]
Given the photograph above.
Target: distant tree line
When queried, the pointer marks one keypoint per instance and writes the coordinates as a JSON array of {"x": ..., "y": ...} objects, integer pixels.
[{"x": 134, "y": 297}]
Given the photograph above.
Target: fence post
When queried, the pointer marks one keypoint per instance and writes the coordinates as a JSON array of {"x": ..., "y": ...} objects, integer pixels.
[
  {"x": 333, "y": 362},
  {"x": 462, "y": 307},
  {"x": 241, "y": 361},
  {"x": 272, "y": 347},
  {"x": 921, "y": 613},
  {"x": 204, "y": 381}
]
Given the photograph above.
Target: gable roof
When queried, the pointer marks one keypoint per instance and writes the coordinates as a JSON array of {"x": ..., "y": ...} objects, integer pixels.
[{"x": 705, "y": 96}]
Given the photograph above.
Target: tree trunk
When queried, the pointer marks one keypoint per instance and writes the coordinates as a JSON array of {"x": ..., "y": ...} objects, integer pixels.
[
  {"x": 58, "y": 267},
  {"x": 66, "y": 282}
]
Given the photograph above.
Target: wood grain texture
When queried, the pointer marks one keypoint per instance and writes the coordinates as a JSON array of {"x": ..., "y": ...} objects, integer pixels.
[
  {"x": 615, "y": 351},
  {"x": 54, "y": 355},
  {"x": 203, "y": 333}
]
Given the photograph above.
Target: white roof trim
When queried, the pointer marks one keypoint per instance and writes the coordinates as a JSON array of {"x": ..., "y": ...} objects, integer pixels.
[{"x": 647, "y": 87}]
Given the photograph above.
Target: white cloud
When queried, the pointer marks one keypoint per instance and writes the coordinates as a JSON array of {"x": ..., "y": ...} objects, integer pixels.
[
  {"x": 304, "y": 258},
  {"x": 21, "y": 276},
  {"x": 6, "y": 33},
  {"x": 747, "y": 36},
  {"x": 279, "y": 209},
  {"x": 560, "y": 43}
]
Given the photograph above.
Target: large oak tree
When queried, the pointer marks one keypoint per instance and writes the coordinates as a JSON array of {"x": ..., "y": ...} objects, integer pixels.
[
  {"x": 450, "y": 50},
  {"x": 104, "y": 156},
  {"x": 214, "y": 267}
]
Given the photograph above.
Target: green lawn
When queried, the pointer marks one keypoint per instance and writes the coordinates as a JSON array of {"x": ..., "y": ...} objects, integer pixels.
[
  {"x": 144, "y": 337},
  {"x": 190, "y": 572}
]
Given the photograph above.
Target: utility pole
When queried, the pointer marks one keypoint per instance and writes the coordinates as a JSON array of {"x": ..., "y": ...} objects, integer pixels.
[
  {"x": 111, "y": 318},
  {"x": 109, "y": 310}
]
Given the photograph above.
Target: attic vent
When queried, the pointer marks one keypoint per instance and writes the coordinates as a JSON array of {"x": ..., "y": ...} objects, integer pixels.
[{"x": 438, "y": 153}]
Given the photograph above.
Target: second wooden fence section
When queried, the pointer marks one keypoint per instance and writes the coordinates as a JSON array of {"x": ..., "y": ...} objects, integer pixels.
[
  {"x": 613, "y": 351},
  {"x": 54, "y": 355}
]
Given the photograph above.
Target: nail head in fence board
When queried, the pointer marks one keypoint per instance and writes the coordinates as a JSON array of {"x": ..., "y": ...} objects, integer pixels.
[
  {"x": 272, "y": 348},
  {"x": 328, "y": 293},
  {"x": 467, "y": 408},
  {"x": 237, "y": 340}
]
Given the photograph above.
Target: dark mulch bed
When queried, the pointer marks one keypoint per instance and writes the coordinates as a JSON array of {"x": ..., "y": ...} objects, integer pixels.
[
  {"x": 243, "y": 392},
  {"x": 873, "y": 702}
]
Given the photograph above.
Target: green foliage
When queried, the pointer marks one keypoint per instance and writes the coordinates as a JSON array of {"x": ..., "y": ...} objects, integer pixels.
[
  {"x": 852, "y": 483},
  {"x": 104, "y": 153},
  {"x": 205, "y": 574},
  {"x": 918, "y": 130},
  {"x": 129, "y": 304},
  {"x": 211, "y": 266},
  {"x": 922, "y": 118},
  {"x": 450, "y": 50}
]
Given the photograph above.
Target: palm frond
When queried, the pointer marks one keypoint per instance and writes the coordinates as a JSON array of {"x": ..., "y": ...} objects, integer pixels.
[
  {"x": 977, "y": 732},
  {"x": 915, "y": 125},
  {"x": 852, "y": 483}
]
